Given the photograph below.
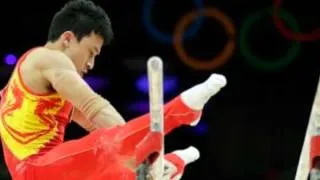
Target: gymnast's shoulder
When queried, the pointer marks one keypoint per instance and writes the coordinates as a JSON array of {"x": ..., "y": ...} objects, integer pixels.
[{"x": 45, "y": 58}]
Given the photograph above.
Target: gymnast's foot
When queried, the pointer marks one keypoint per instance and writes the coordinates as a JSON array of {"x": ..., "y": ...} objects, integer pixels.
[{"x": 197, "y": 96}]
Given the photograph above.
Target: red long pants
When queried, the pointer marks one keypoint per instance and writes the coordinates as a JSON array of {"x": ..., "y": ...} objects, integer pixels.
[{"x": 103, "y": 154}]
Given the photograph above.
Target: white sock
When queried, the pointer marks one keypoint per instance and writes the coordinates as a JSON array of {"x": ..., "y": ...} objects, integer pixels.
[
  {"x": 197, "y": 96},
  {"x": 188, "y": 155}
]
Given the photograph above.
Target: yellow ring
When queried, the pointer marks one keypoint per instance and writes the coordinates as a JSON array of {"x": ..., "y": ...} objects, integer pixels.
[{"x": 216, "y": 61}]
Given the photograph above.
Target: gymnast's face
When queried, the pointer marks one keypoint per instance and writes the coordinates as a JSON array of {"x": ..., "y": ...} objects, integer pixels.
[{"x": 83, "y": 52}]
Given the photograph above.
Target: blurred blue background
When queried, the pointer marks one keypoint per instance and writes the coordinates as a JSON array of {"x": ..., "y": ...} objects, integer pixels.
[{"x": 254, "y": 128}]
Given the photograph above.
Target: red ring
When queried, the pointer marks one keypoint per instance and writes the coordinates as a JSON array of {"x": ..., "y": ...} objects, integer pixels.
[{"x": 312, "y": 36}]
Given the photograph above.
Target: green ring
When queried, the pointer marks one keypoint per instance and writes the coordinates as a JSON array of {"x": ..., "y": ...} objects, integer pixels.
[{"x": 260, "y": 63}]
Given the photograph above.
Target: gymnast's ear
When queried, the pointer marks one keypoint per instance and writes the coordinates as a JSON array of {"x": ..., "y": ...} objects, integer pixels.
[{"x": 67, "y": 37}]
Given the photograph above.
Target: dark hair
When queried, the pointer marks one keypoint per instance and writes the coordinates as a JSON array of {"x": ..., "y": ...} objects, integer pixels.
[{"x": 82, "y": 17}]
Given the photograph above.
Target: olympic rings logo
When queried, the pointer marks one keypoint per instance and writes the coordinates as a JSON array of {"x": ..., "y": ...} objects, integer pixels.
[{"x": 180, "y": 34}]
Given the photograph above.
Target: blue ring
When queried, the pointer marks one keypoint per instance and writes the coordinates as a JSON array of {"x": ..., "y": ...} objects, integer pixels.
[{"x": 164, "y": 37}]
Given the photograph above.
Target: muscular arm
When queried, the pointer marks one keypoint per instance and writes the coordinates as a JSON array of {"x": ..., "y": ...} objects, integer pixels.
[{"x": 62, "y": 75}]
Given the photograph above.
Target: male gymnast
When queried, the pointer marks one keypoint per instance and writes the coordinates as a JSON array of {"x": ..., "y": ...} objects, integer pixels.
[{"x": 46, "y": 91}]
